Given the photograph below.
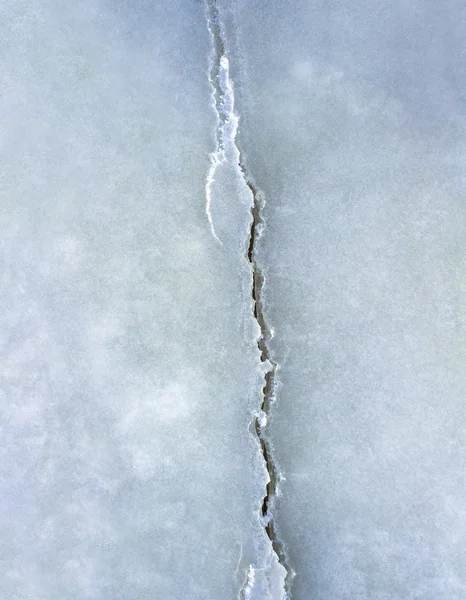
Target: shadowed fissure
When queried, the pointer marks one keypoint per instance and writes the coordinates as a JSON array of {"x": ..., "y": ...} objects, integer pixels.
[
  {"x": 227, "y": 121},
  {"x": 268, "y": 391}
]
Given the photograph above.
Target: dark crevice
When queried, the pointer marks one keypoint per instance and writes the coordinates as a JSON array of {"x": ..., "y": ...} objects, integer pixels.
[
  {"x": 225, "y": 111},
  {"x": 270, "y": 379}
]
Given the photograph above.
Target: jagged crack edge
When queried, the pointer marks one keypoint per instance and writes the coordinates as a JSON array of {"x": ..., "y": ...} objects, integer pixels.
[
  {"x": 218, "y": 62},
  {"x": 270, "y": 378}
]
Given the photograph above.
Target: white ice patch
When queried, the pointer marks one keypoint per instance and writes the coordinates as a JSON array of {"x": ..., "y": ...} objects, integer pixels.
[
  {"x": 266, "y": 519},
  {"x": 262, "y": 419},
  {"x": 223, "y": 102},
  {"x": 214, "y": 162},
  {"x": 249, "y": 587}
]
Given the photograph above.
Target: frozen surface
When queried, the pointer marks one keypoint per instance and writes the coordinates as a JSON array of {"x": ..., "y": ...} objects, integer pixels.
[
  {"x": 129, "y": 373},
  {"x": 168, "y": 340},
  {"x": 352, "y": 123}
]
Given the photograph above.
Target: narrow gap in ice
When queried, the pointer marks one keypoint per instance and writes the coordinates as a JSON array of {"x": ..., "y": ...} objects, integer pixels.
[
  {"x": 270, "y": 379},
  {"x": 226, "y": 149}
]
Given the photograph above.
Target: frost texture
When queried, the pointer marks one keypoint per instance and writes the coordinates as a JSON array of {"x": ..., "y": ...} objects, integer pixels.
[
  {"x": 122, "y": 321},
  {"x": 227, "y": 126},
  {"x": 268, "y": 581},
  {"x": 136, "y": 438},
  {"x": 355, "y": 133}
]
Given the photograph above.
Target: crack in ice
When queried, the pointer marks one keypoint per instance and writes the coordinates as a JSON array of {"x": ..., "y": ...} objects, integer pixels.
[
  {"x": 223, "y": 103},
  {"x": 226, "y": 150},
  {"x": 270, "y": 380}
]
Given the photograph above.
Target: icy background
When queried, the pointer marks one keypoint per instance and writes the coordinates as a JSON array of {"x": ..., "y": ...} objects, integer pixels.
[
  {"x": 130, "y": 376},
  {"x": 129, "y": 369},
  {"x": 353, "y": 124}
]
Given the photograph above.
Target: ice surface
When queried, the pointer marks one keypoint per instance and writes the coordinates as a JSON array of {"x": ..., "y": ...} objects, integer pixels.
[
  {"x": 232, "y": 300},
  {"x": 130, "y": 373},
  {"x": 352, "y": 123}
]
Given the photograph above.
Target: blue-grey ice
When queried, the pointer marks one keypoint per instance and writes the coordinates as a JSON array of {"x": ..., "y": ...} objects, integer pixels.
[{"x": 232, "y": 300}]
